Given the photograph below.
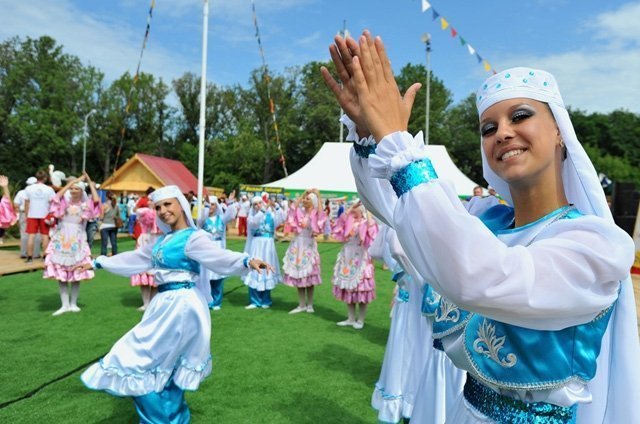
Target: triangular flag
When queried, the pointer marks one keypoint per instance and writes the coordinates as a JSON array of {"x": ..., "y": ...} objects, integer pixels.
[
  {"x": 471, "y": 49},
  {"x": 425, "y": 5},
  {"x": 462, "y": 41},
  {"x": 487, "y": 67},
  {"x": 478, "y": 57},
  {"x": 453, "y": 32},
  {"x": 444, "y": 23},
  {"x": 434, "y": 14}
]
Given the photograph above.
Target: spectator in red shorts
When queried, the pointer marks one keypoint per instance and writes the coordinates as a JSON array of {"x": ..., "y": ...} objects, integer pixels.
[{"x": 37, "y": 201}]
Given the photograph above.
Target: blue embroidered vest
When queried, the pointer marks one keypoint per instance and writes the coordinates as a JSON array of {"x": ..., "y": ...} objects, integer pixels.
[
  {"x": 267, "y": 226},
  {"x": 216, "y": 227},
  {"x": 513, "y": 357},
  {"x": 169, "y": 253}
]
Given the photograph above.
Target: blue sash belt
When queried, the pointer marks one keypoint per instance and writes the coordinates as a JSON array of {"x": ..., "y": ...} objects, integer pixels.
[
  {"x": 176, "y": 286},
  {"x": 504, "y": 409}
]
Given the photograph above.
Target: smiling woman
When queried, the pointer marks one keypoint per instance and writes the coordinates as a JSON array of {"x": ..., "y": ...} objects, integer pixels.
[
  {"x": 168, "y": 352},
  {"x": 537, "y": 305}
]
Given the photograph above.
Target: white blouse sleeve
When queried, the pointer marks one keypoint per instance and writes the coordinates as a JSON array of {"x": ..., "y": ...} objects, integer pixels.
[
  {"x": 127, "y": 263},
  {"x": 230, "y": 214},
  {"x": 564, "y": 278},
  {"x": 204, "y": 250}
]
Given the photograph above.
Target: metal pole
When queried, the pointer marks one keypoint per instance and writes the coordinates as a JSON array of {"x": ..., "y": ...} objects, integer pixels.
[
  {"x": 427, "y": 40},
  {"x": 85, "y": 136},
  {"x": 203, "y": 105}
]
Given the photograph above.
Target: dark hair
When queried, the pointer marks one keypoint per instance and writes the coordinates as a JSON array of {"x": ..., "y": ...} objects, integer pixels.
[
  {"x": 41, "y": 175},
  {"x": 149, "y": 190}
]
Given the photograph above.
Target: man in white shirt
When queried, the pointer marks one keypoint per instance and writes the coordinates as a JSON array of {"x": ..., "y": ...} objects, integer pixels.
[
  {"x": 243, "y": 211},
  {"x": 18, "y": 204},
  {"x": 38, "y": 199}
]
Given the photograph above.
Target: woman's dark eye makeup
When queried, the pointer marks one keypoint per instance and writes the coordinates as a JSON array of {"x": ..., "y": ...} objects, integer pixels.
[{"x": 517, "y": 115}]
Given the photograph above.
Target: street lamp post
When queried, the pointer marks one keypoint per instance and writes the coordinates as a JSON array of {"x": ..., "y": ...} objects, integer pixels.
[
  {"x": 426, "y": 39},
  {"x": 84, "y": 144}
]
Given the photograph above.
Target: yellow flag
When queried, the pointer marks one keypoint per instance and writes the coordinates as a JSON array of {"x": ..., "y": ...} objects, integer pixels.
[
  {"x": 444, "y": 23},
  {"x": 487, "y": 67}
]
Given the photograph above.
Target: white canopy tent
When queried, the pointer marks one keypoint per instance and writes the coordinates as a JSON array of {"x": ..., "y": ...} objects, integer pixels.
[{"x": 330, "y": 172}]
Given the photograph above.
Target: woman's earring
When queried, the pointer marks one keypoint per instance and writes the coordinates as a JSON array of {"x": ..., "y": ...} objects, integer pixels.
[{"x": 561, "y": 142}]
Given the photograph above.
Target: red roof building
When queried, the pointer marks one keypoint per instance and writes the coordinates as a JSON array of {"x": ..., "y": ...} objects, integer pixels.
[{"x": 143, "y": 171}]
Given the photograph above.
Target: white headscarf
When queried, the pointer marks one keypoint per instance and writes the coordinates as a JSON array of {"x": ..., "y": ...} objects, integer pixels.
[
  {"x": 173, "y": 192},
  {"x": 616, "y": 386}
]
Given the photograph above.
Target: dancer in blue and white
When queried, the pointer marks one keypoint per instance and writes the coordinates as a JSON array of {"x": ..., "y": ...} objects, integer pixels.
[
  {"x": 214, "y": 221},
  {"x": 168, "y": 352},
  {"x": 262, "y": 222},
  {"x": 537, "y": 304}
]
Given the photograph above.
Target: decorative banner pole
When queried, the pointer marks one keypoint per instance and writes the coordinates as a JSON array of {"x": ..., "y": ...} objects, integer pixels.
[
  {"x": 203, "y": 104},
  {"x": 272, "y": 105},
  {"x": 133, "y": 85}
]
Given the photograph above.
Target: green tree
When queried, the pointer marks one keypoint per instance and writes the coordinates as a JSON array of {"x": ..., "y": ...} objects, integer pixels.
[{"x": 44, "y": 95}]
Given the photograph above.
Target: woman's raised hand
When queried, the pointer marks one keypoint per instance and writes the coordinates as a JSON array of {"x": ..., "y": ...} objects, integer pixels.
[
  {"x": 382, "y": 107},
  {"x": 342, "y": 54}
]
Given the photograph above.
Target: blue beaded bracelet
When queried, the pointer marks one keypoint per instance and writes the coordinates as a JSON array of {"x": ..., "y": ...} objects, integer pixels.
[
  {"x": 416, "y": 173},
  {"x": 364, "y": 151}
]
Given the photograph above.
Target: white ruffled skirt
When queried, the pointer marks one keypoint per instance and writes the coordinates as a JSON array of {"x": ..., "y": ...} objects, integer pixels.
[
  {"x": 264, "y": 248},
  {"x": 408, "y": 347},
  {"x": 173, "y": 338}
]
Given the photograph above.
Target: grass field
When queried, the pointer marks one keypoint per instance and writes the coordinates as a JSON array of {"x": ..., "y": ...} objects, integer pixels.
[{"x": 268, "y": 366}]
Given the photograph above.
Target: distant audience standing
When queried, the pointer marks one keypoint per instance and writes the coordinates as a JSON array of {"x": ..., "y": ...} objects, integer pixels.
[
  {"x": 38, "y": 199},
  {"x": 18, "y": 204},
  {"x": 108, "y": 230},
  {"x": 243, "y": 211}
]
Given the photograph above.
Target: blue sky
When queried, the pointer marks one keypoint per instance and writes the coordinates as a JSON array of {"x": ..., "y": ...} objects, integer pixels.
[{"x": 592, "y": 47}]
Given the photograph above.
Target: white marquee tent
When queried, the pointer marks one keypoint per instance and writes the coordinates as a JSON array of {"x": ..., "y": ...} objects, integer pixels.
[{"x": 330, "y": 172}]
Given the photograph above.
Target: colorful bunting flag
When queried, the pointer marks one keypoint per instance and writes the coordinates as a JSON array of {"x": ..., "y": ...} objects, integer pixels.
[{"x": 444, "y": 24}]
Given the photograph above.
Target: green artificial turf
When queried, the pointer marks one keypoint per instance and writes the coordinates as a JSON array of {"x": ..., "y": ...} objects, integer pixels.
[{"x": 268, "y": 366}]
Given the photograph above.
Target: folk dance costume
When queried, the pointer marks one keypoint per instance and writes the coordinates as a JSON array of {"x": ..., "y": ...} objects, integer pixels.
[
  {"x": 8, "y": 216},
  {"x": 261, "y": 227},
  {"x": 168, "y": 352},
  {"x": 353, "y": 273},
  {"x": 301, "y": 265},
  {"x": 542, "y": 317},
  {"x": 433, "y": 383},
  {"x": 68, "y": 247},
  {"x": 216, "y": 225},
  {"x": 150, "y": 233}
]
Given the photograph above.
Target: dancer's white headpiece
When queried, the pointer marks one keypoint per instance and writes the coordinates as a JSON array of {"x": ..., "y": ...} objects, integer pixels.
[{"x": 170, "y": 192}]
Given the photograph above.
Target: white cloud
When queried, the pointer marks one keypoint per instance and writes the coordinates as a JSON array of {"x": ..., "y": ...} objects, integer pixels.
[
  {"x": 600, "y": 75},
  {"x": 111, "y": 46}
]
